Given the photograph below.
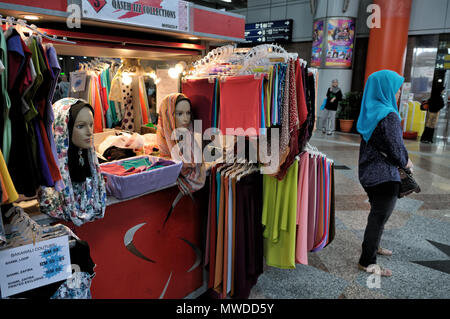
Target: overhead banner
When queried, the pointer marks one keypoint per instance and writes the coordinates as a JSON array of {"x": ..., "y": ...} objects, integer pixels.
[
  {"x": 341, "y": 34},
  {"x": 317, "y": 45},
  {"x": 279, "y": 31},
  {"x": 160, "y": 14}
]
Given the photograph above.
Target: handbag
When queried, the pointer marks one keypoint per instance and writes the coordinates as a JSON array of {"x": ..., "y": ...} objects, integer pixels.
[
  {"x": 322, "y": 107},
  {"x": 408, "y": 184}
]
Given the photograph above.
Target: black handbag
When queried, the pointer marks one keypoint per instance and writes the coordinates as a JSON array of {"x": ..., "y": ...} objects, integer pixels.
[{"x": 408, "y": 184}]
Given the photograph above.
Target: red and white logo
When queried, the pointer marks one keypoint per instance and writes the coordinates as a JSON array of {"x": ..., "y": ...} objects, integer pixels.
[{"x": 97, "y": 4}]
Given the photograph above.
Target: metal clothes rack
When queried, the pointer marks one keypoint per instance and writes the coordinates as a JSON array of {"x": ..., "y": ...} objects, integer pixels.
[{"x": 34, "y": 29}]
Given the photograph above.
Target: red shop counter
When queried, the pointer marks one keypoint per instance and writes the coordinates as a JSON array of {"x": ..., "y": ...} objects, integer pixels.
[{"x": 140, "y": 257}]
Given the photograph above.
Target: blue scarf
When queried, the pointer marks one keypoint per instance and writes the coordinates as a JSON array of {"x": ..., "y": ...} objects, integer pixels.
[{"x": 378, "y": 100}]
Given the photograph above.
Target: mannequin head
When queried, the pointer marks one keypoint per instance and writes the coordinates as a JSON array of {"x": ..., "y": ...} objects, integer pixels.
[
  {"x": 83, "y": 128},
  {"x": 182, "y": 112},
  {"x": 80, "y": 127}
]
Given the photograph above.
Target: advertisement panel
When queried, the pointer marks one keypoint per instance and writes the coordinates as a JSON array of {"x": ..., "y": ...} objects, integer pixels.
[
  {"x": 317, "y": 45},
  {"x": 341, "y": 35}
]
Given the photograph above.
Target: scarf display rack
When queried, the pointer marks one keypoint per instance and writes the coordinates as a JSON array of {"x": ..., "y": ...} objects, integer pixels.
[{"x": 288, "y": 213}]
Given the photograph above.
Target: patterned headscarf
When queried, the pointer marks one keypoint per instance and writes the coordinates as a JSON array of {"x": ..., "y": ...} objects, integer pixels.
[
  {"x": 193, "y": 175},
  {"x": 77, "y": 202}
]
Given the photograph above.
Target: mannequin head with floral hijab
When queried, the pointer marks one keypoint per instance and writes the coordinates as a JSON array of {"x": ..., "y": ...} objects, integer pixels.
[{"x": 83, "y": 197}]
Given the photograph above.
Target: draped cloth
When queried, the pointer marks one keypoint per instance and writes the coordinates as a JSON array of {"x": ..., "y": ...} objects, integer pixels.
[
  {"x": 193, "y": 174},
  {"x": 77, "y": 202}
]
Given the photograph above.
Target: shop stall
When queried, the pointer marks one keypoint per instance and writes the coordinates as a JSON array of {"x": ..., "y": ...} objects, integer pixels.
[{"x": 147, "y": 243}]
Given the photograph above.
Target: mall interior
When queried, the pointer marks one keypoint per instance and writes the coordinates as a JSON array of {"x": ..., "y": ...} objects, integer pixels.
[{"x": 212, "y": 149}]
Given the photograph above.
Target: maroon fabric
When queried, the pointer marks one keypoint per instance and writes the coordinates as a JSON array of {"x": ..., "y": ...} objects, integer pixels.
[
  {"x": 248, "y": 235},
  {"x": 212, "y": 228},
  {"x": 201, "y": 93},
  {"x": 301, "y": 100}
]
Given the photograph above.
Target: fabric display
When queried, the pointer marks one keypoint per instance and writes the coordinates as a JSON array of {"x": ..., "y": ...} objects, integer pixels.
[
  {"x": 134, "y": 166},
  {"x": 28, "y": 85},
  {"x": 115, "y": 104},
  {"x": 201, "y": 92},
  {"x": 234, "y": 246},
  {"x": 79, "y": 202},
  {"x": 277, "y": 92},
  {"x": 298, "y": 211}
]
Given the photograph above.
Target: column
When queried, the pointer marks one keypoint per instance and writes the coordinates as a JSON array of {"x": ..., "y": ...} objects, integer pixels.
[{"x": 387, "y": 44}]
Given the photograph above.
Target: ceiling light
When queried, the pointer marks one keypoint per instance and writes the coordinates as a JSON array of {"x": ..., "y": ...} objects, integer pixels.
[
  {"x": 193, "y": 38},
  {"x": 72, "y": 58},
  {"x": 30, "y": 17},
  {"x": 126, "y": 78},
  {"x": 226, "y": 1},
  {"x": 173, "y": 73}
]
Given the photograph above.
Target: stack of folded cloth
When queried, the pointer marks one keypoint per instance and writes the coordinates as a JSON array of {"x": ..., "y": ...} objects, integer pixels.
[{"x": 134, "y": 166}]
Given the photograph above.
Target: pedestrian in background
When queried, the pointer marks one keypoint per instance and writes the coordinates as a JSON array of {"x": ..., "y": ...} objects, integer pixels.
[
  {"x": 334, "y": 96},
  {"x": 381, "y": 152},
  {"x": 435, "y": 104}
]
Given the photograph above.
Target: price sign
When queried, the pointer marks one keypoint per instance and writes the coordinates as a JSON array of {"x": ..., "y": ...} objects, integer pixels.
[{"x": 31, "y": 266}]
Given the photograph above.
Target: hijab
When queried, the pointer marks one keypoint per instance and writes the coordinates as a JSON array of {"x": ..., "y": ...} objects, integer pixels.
[
  {"x": 193, "y": 175},
  {"x": 378, "y": 100},
  {"x": 333, "y": 89},
  {"x": 78, "y": 202}
]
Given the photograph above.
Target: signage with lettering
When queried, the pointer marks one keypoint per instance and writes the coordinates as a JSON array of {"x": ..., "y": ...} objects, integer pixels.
[
  {"x": 271, "y": 31},
  {"x": 31, "y": 266},
  {"x": 160, "y": 14}
]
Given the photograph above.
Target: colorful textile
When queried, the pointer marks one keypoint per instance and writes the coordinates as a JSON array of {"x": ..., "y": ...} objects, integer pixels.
[
  {"x": 241, "y": 95},
  {"x": 78, "y": 202},
  {"x": 201, "y": 94}
]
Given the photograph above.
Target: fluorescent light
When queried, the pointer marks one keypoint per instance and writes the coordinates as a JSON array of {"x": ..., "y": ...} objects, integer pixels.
[
  {"x": 30, "y": 17},
  {"x": 72, "y": 58},
  {"x": 193, "y": 38},
  {"x": 226, "y": 1},
  {"x": 60, "y": 59}
]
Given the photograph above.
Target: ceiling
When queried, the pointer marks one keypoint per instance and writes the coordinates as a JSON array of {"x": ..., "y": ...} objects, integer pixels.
[{"x": 219, "y": 4}]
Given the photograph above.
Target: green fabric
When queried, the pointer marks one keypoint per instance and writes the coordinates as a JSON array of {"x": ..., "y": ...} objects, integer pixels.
[
  {"x": 40, "y": 66},
  {"x": 37, "y": 82},
  {"x": 136, "y": 163},
  {"x": 6, "y": 101},
  {"x": 279, "y": 217},
  {"x": 112, "y": 107}
]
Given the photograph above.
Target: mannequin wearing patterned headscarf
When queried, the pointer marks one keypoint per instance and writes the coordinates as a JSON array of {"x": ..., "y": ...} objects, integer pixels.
[
  {"x": 83, "y": 198},
  {"x": 193, "y": 175}
]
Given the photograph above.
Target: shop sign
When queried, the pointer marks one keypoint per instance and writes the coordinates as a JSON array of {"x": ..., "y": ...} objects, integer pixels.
[
  {"x": 159, "y": 14},
  {"x": 31, "y": 266},
  {"x": 317, "y": 45},
  {"x": 279, "y": 31},
  {"x": 341, "y": 34}
]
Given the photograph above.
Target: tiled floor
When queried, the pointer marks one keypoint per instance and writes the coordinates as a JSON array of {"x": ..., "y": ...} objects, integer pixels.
[{"x": 418, "y": 232}]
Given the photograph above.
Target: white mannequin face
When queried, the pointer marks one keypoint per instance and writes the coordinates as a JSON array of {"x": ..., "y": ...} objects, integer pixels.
[
  {"x": 182, "y": 114},
  {"x": 83, "y": 129}
]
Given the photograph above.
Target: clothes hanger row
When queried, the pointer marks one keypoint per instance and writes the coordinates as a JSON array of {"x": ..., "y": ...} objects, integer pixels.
[
  {"x": 24, "y": 230},
  {"x": 11, "y": 21}
]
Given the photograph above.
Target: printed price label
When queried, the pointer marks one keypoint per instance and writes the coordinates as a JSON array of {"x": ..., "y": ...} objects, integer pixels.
[{"x": 27, "y": 267}]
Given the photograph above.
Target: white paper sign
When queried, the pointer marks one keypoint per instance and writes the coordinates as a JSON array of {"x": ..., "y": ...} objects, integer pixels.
[
  {"x": 161, "y": 14},
  {"x": 31, "y": 266}
]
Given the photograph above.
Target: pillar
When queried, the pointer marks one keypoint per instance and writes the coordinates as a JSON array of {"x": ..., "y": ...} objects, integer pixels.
[
  {"x": 326, "y": 11},
  {"x": 387, "y": 44}
]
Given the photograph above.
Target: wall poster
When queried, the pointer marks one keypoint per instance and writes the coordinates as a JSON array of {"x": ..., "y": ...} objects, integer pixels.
[
  {"x": 317, "y": 45},
  {"x": 341, "y": 35}
]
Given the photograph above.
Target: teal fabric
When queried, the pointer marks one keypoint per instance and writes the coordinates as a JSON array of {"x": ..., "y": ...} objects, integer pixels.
[
  {"x": 136, "y": 163},
  {"x": 378, "y": 100}
]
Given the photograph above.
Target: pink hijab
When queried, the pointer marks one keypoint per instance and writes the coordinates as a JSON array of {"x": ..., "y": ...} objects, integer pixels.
[{"x": 193, "y": 175}]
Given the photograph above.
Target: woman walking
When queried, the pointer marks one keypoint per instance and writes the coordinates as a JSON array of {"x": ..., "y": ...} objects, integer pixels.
[{"x": 382, "y": 151}]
